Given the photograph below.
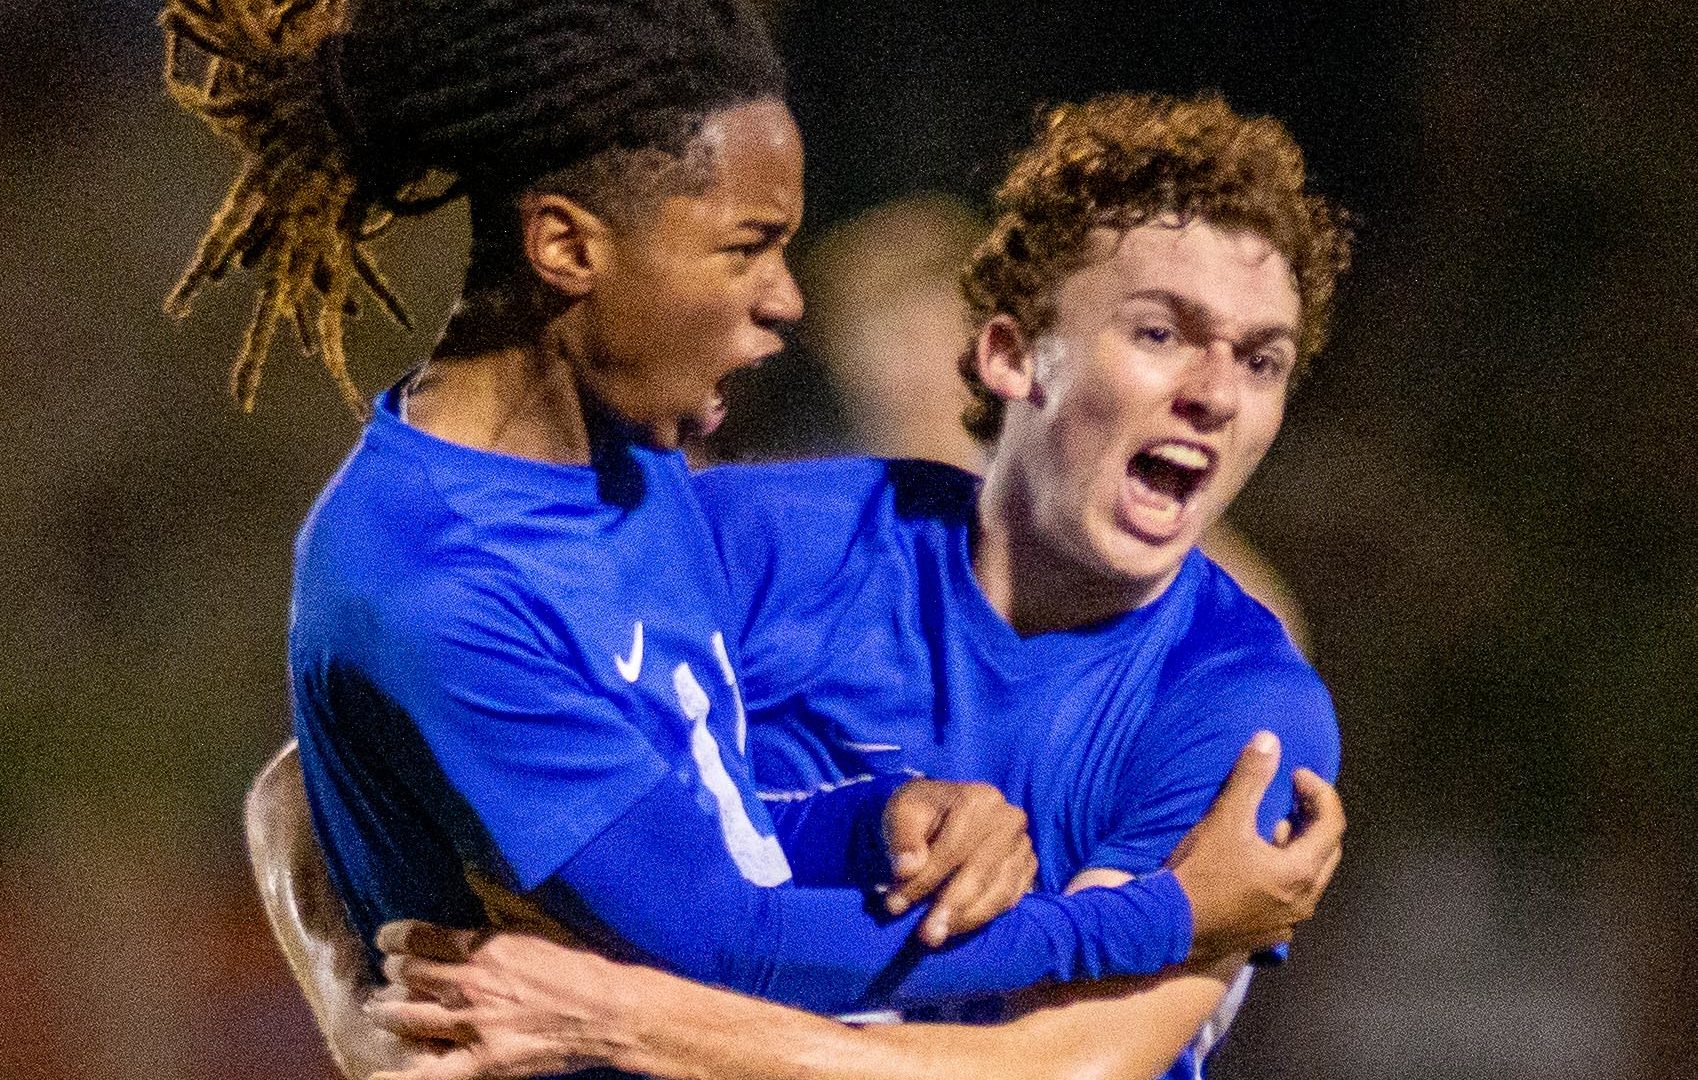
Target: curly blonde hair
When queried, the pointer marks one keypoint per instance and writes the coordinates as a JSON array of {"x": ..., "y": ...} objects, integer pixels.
[{"x": 1120, "y": 161}]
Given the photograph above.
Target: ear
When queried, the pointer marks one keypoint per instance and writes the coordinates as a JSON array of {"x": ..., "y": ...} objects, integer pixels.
[
  {"x": 1006, "y": 362},
  {"x": 566, "y": 245}
]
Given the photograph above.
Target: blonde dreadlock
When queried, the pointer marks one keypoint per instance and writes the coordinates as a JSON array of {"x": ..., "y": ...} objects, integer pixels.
[{"x": 295, "y": 211}]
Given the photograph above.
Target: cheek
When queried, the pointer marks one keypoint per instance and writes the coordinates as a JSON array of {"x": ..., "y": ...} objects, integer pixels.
[
  {"x": 1104, "y": 405},
  {"x": 1261, "y": 427}
]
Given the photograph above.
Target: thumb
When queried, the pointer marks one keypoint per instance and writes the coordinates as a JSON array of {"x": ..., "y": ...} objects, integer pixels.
[
  {"x": 1257, "y": 764},
  {"x": 909, "y": 824}
]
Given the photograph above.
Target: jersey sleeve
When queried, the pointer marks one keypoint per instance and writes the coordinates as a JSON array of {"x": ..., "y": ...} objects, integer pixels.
[
  {"x": 658, "y": 879},
  {"x": 544, "y": 761},
  {"x": 836, "y": 836},
  {"x": 1198, "y": 729},
  {"x": 589, "y": 815}
]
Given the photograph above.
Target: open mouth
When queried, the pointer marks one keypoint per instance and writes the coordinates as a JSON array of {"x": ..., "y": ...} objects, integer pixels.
[{"x": 1164, "y": 476}]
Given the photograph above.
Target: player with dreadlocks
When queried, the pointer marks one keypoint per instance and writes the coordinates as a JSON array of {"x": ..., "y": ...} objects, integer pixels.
[{"x": 505, "y": 644}]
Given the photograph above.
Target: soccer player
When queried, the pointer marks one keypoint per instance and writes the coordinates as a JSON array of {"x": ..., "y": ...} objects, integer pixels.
[
  {"x": 506, "y": 637},
  {"x": 1157, "y": 273}
]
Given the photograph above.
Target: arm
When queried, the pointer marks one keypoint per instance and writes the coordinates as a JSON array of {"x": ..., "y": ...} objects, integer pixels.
[
  {"x": 819, "y": 949},
  {"x": 588, "y": 812},
  {"x": 328, "y": 960},
  {"x": 326, "y": 957},
  {"x": 909, "y": 838},
  {"x": 1191, "y": 738},
  {"x": 325, "y": 977},
  {"x": 523, "y": 1007},
  {"x": 530, "y": 1007}
]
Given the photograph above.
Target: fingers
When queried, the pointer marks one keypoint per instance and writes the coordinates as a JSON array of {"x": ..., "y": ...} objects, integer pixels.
[
  {"x": 457, "y": 1064},
  {"x": 910, "y": 822},
  {"x": 413, "y": 937},
  {"x": 971, "y": 904},
  {"x": 1241, "y": 796},
  {"x": 420, "y": 1020},
  {"x": 420, "y": 978},
  {"x": 942, "y": 859},
  {"x": 1324, "y": 878},
  {"x": 1320, "y": 812},
  {"x": 978, "y": 834},
  {"x": 1282, "y": 832}
]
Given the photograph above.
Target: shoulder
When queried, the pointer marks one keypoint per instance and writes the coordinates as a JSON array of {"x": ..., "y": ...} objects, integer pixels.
[
  {"x": 828, "y": 506},
  {"x": 835, "y": 487},
  {"x": 1235, "y": 671}
]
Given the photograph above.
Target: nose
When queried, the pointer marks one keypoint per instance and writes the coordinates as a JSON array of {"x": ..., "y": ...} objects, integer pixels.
[
  {"x": 1207, "y": 393},
  {"x": 780, "y": 302}
]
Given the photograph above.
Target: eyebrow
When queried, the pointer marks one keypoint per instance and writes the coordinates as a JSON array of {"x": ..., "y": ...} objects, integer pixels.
[
  {"x": 771, "y": 227},
  {"x": 1191, "y": 311}
]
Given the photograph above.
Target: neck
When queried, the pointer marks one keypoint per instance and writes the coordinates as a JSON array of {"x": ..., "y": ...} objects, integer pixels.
[
  {"x": 519, "y": 397},
  {"x": 1033, "y": 585}
]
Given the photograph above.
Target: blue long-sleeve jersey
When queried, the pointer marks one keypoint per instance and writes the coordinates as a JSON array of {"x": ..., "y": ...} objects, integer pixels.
[
  {"x": 521, "y": 669},
  {"x": 869, "y": 649}
]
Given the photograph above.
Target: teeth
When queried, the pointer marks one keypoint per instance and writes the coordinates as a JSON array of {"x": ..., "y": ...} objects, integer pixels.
[{"x": 1180, "y": 454}]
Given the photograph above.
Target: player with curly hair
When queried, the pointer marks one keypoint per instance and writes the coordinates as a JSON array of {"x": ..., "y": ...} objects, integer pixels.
[
  {"x": 506, "y": 642},
  {"x": 1157, "y": 275}
]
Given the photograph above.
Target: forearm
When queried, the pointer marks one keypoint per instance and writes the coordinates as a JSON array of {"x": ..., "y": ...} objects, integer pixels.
[
  {"x": 834, "y": 837},
  {"x": 326, "y": 957},
  {"x": 677, "y": 1030},
  {"x": 674, "y": 1029},
  {"x": 659, "y": 877}
]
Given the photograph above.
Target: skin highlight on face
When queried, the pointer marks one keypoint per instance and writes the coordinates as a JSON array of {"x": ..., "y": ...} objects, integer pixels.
[{"x": 1134, "y": 418}]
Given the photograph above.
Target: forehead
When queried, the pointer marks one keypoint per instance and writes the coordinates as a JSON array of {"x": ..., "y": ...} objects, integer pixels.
[
  {"x": 754, "y": 152},
  {"x": 1235, "y": 275}
]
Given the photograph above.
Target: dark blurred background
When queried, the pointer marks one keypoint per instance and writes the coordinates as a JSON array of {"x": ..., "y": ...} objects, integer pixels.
[{"x": 1485, "y": 504}]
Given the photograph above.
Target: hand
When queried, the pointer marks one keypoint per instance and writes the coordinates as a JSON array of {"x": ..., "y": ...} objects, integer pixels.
[
  {"x": 1247, "y": 894},
  {"x": 964, "y": 839},
  {"x": 482, "y": 1005}
]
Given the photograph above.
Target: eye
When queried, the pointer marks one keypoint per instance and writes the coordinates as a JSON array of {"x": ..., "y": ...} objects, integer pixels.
[
  {"x": 1155, "y": 333},
  {"x": 754, "y": 241},
  {"x": 1266, "y": 364}
]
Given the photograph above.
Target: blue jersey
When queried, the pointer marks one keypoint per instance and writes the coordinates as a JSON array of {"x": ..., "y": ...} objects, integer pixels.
[
  {"x": 518, "y": 668},
  {"x": 868, "y": 648}
]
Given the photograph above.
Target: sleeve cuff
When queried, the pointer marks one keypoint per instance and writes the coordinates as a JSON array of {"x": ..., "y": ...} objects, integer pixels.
[{"x": 1170, "y": 912}]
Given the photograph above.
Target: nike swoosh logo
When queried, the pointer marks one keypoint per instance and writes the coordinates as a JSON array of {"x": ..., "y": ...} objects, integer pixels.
[{"x": 629, "y": 669}]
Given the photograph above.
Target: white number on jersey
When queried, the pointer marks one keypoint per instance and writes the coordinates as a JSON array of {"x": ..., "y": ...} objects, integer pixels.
[{"x": 758, "y": 857}]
